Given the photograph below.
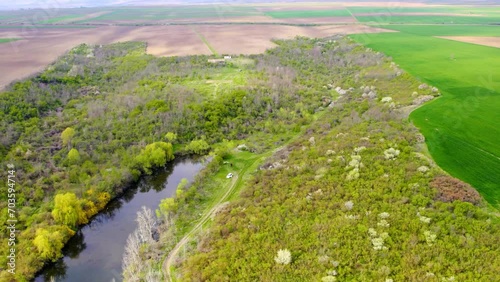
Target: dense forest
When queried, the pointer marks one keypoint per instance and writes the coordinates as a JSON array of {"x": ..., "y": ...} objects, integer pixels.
[{"x": 354, "y": 197}]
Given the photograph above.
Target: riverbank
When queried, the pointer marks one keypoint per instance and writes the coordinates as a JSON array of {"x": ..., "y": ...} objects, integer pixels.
[{"x": 95, "y": 252}]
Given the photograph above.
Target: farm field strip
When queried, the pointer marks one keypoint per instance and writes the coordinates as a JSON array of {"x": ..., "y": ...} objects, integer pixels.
[
  {"x": 308, "y": 13},
  {"x": 5, "y": 40},
  {"x": 428, "y": 19},
  {"x": 60, "y": 19},
  {"x": 447, "y": 30},
  {"x": 479, "y": 40},
  {"x": 172, "y": 13}
]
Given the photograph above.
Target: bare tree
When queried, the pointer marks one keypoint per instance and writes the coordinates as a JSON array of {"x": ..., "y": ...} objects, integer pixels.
[
  {"x": 146, "y": 224},
  {"x": 131, "y": 263}
]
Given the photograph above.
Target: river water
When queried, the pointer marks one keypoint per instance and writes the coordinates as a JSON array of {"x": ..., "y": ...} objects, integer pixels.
[{"x": 95, "y": 252}]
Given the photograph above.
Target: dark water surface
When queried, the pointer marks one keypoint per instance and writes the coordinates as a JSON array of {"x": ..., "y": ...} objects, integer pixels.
[{"x": 94, "y": 254}]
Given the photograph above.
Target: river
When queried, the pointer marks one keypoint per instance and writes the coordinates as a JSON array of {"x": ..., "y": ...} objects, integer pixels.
[{"x": 95, "y": 252}]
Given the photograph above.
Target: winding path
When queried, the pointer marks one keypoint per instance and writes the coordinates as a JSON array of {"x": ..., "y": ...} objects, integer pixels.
[{"x": 167, "y": 263}]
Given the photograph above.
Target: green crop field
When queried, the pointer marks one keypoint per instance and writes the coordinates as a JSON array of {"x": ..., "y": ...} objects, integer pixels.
[
  {"x": 308, "y": 14},
  {"x": 5, "y": 40},
  {"x": 162, "y": 13},
  {"x": 490, "y": 11},
  {"x": 461, "y": 127},
  {"x": 32, "y": 27},
  {"x": 447, "y": 30},
  {"x": 61, "y": 18},
  {"x": 438, "y": 19}
]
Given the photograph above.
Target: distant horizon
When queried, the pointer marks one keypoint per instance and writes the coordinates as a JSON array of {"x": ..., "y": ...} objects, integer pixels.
[{"x": 69, "y": 4}]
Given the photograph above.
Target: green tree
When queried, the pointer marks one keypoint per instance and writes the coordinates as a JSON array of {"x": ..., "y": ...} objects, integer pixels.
[
  {"x": 171, "y": 137},
  {"x": 166, "y": 206},
  {"x": 67, "y": 210},
  {"x": 73, "y": 156},
  {"x": 198, "y": 146},
  {"x": 48, "y": 243},
  {"x": 154, "y": 155},
  {"x": 67, "y": 135}
]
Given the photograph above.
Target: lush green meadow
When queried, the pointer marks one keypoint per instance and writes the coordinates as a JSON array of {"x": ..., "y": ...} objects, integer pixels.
[
  {"x": 462, "y": 126},
  {"x": 308, "y": 14}
]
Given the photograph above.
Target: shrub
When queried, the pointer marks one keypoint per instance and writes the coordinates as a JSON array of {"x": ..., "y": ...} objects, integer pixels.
[
  {"x": 450, "y": 189},
  {"x": 154, "y": 155},
  {"x": 198, "y": 147},
  {"x": 283, "y": 257}
]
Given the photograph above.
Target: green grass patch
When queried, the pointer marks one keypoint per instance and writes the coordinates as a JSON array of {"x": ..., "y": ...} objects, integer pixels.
[
  {"x": 308, "y": 14},
  {"x": 461, "y": 127},
  {"x": 220, "y": 81}
]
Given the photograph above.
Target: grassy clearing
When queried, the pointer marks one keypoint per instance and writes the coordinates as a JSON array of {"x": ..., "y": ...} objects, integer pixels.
[
  {"x": 460, "y": 127},
  {"x": 308, "y": 14},
  {"x": 217, "y": 83}
]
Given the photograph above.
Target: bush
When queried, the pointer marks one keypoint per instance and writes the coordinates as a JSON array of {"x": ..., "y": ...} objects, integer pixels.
[
  {"x": 283, "y": 257},
  {"x": 198, "y": 147},
  {"x": 154, "y": 155},
  {"x": 450, "y": 189}
]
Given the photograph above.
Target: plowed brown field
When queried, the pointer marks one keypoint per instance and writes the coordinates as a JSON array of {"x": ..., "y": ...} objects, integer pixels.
[{"x": 39, "y": 47}]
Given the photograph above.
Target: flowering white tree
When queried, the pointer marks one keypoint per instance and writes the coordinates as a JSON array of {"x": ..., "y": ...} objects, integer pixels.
[
  {"x": 349, "y": 205},
  {"x": 283, "y": 257}
]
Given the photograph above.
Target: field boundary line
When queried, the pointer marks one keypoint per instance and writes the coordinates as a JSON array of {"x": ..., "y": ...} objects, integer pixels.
[
  {"x": 205, "y": 41},
  {"x": 352, "y": 15}
]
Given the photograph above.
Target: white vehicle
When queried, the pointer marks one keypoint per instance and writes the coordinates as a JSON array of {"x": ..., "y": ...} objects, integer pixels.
[{"x": 229, "y": 175}]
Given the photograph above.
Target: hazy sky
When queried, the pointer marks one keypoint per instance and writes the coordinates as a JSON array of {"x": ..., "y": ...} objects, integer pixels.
[{"x": 18, "y": 4}]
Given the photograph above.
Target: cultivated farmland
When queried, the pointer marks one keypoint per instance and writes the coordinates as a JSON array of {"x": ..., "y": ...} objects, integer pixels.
[{"x": 24, "y": 57}]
